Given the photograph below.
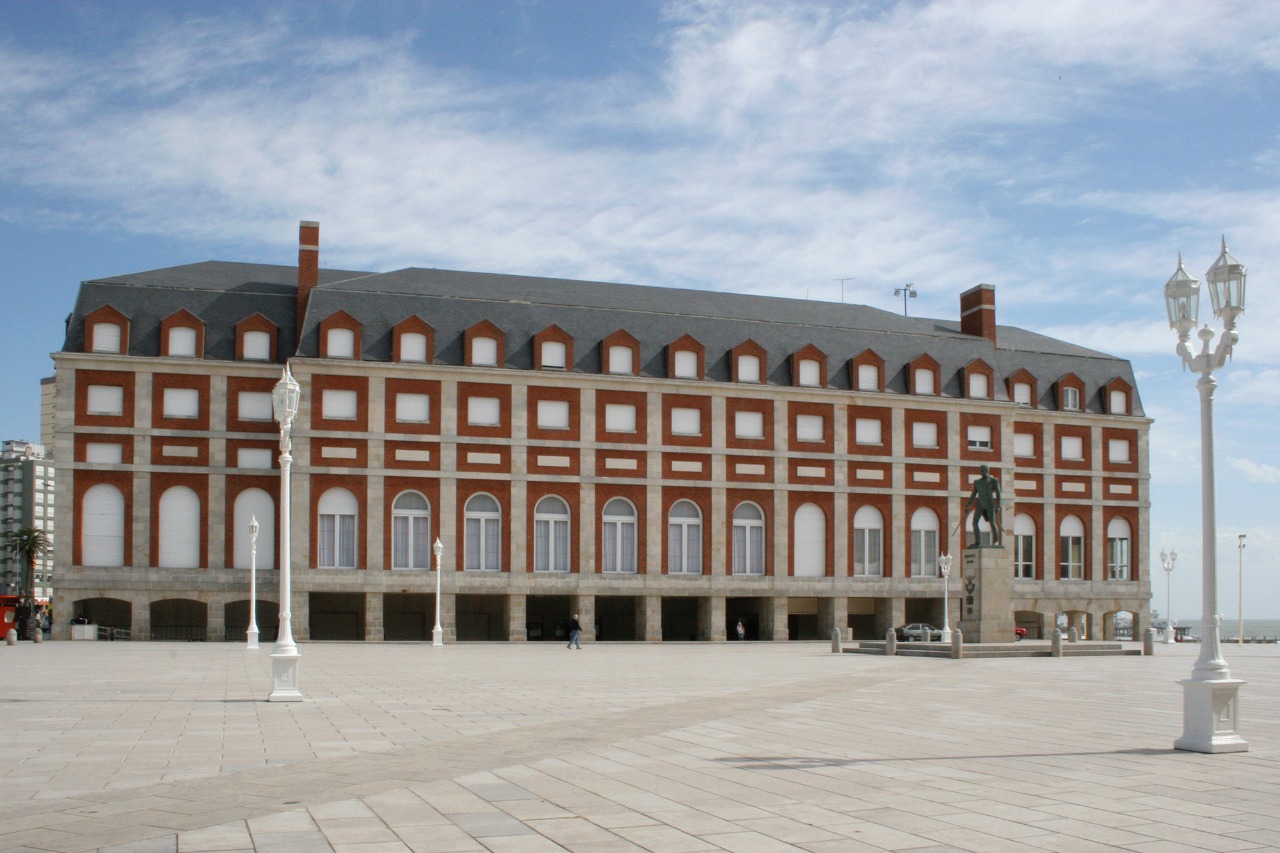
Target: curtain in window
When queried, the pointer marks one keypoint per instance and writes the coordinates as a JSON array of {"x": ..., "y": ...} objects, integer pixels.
[
  {"x": 756, "y": 565},
  {"x": 347, "y": 541},
  {"x": 560, "y": 561},
  {"x": 693, "y": 543},
  {"x": 325, "y": 535},
  {"x": 472, "y": 535},
  {"x": 421, "y": 542},
  {"x": 400, "y": 542},
  {"x": 627, "y": 559},
  {"x": 542, "y": 546},
  {"x": 675, "y": 548},
  {"x": 611, "y": 546},
  {"x": 492, "y": 544},
  {"x": 739, "y": 549}
]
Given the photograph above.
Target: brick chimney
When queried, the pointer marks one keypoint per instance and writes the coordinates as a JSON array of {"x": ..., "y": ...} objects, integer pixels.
[
  {"x": 978, "y": 312},
  {"x": 308, "y": 265}
]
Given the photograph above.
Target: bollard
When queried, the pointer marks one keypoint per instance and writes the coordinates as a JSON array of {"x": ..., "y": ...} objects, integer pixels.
[
  {"x": 890, "y": 643},
  {"x": 957, "y": 644},
  {"x": 37, "y": 636},
  {"x": 1149, "y": 642},
  {"x": 1073, "y": 636},
  {"x": 835, "y": 641},
  {"x": 1057, "y": 644},
  {"x": 11, "y": 637}
]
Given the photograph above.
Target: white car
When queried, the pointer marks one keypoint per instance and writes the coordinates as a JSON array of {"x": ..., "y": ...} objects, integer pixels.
[{"x": 920, "y": 632}]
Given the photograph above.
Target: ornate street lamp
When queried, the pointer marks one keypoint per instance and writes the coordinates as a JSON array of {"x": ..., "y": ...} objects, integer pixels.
[
  {"x": 252, "y": 633},
  {"x": 437, "y": 633},
  {"x": 1210, "y": 697},
  {"x": 1167, "y": 559},
  {"x": 284, "y": 657},
  {"x": 944, "y": 568}
]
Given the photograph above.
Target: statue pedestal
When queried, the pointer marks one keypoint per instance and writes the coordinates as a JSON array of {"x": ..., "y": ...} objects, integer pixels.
[{"x": 986, "y": 612}]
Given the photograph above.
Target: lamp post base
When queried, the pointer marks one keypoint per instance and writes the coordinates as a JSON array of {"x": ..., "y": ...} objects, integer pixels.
[
  {"x": 1211, "y": 716},
  {"x": 1168, "y": 636},
  {"x": 437, "y": 636},
  {"x": 252, "y": 645},
  {"x": 284, "y": 678}
]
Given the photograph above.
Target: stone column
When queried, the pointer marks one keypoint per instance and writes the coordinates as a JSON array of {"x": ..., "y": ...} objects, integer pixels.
[
  {"x": 449, "y": 616},
  {"x": 585, "y": 607},
  {"x": 374, "y": 623},
  {"x": 774, "y": 622},
  {"x": 711, "y": 618},
  {"x": 833, "y": 613},
  {"x": 649, "y": 618},
  {"x": 516, "y": 629}
]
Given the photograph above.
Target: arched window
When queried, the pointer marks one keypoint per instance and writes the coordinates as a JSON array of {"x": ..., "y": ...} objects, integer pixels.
[
  {"x": 1118, "y": 550},
  {"x": 179, "y": 528},
  {"x": 410, "y": 532},
  {"x": 619, "y": 536},
  {"x": 551, "y": 535},
  {"x": 336, "y": 530},
  {"x": 1071, "y": 549},
  {"x": 1024, "y": 546},
  {"x": 924, "y": 543},
  {"x": 102, "y": 526},
  {"x": 251, "y": 504},
  {"x": 810, "y": 541},
  {"x": 868, "y": 542},
  {"x": 748, "y": 540},
  {"x": 684, "y": 539},
  {"x": 483, "y": 534}
]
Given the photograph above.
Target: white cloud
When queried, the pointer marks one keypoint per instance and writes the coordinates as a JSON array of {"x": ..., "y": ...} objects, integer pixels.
[{"x": 1256, "y": 472}]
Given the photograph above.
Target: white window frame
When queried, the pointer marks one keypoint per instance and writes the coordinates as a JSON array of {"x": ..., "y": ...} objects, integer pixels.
[
  {"x": 1024, "y": 445},
  {"x": 924, "y": 543},
  {"x": 553, "y": 414},
  {"x": 182, "y": 342},
  {"x": 621, "y": 360},
  {"x": 684, "y": 539},
  {"x": 484, "y": 351},
  {"x": 107, "y": 337},
  {"x": 868, "y": 432},
  {"x": 413, "y": 348},
  {"x": 748, "y": 540},
  {"x": 1119, "y": 402},
  {"x": 411, "y": 531},
  {"x": 482, "y": 534},
  {"x": 810, "y": 373},
  {"x": 620, "y": 418},
  {"x": 340, "y": 343},
  {"x": 180, "y": 522},
  {"x": 924, "y": 434},
  {"x": 868, "y": 377},
  {"x": 750, "y": 368},
  {"x": 339, "y": 404},
  {"x": 105, "y": 400},
  {"x": 979, "y": 386},
  {"x": 255, "y": 406},
  {"x": 1072, "y": 447},
  {"x": 686, "y": 364},
  {"x": 551, "y": 527},
  {"x": 1070, "y": 399},
  {"x": 619, "y": 537},
  {"x": 924, "y": 381},
  {"x": 484, "y": 411},
  {"x": 182, "y": 403},
  {"x": 979, "y": 437},
  {"x": 1119, "y": 551},
  {"x": 337, "y": 531},
  {"x": 1118, "y": 450},
  {"x": 810, "y": 428},
  {"x": 1071, "y": 549},
  {"x": 868, "y": 542},
  {"x": 748, "y": 425},
  {"x": 686, "y": 421},
  {"x": 413, "y": 408},
  {"x": 1022, "y": 393},
  {"x": 1024, "y": 546},
  {"x": 255, "y": 345},
  {"x": 555, "y": 355}
]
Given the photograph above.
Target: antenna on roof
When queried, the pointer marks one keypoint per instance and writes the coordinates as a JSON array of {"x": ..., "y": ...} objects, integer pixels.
[
  {"x": 906, "y": 290},
  {"x": 842, "y": 281}
]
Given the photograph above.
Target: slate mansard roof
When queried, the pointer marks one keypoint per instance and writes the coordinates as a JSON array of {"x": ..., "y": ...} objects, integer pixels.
[{"x": 221, "y": 294}]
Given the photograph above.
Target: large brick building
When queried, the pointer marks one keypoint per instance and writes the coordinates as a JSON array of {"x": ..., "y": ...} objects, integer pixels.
[{"x": 662, "y": 462}]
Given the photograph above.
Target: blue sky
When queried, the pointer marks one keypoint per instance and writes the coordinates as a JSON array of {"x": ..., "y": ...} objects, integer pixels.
[{"x": 1063, "y": 152}]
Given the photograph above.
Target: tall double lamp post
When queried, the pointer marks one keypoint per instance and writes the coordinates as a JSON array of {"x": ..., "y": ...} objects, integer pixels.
[
  {"x": 284, "y": 657},
  {"x": 1210, "y": 697}
]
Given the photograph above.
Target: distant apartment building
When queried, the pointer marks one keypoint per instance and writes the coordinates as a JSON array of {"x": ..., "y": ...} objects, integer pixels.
[
  {"x": 27, "y": 487},
  {"x": 664, "y": 463}
]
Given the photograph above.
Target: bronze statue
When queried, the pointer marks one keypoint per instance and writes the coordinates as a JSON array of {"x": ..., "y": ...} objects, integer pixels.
[{"x": 986, "y": 494}]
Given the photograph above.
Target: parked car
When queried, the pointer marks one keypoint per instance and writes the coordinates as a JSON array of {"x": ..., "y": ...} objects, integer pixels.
[
  {"x": 1019, "y": 634},
  {"x": 920, "y": 632}
]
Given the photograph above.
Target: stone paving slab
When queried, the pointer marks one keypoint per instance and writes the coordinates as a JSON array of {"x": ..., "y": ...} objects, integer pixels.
[{"x": 138, "y": 747}]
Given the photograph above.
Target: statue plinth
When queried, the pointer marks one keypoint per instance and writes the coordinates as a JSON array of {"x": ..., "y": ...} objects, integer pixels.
[{"x": 986, "y": 611}]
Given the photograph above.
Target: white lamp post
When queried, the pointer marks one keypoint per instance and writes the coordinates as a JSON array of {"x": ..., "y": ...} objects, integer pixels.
[
  {"x": 252, "y": 633},
  {"x": 1210, "y": 697},
  {"x": 944, "y": 567},
  {"x": 284, "y": 657},
  {"x": 1167, "y": 559},
  {"x": 1240, "y": 626},
  {"x": 437, "y": 633}
]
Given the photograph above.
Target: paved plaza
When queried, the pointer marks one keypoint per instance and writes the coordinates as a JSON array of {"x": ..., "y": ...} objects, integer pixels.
[{"x": 622, "y": 747}]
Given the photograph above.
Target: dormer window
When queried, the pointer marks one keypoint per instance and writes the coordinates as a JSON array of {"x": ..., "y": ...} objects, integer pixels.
[
  {"x": 620, "y": 358},
  {"x": 412, "y": 341},
  {"x": 182, "y": 342},
  {"x": 552, "y": 349},
  {"x": 484, "y": 345},
  {"x": 413, "y": 347},
  {"x": 923, "y": 377},
  {"x": 686, "y": 364},
  {"x": 924, "y": 372},
  {"x": 1022, "y": 393},
  {"x": 484, "y": 352},
  {"x": 810, "y": 373},
  {"x": 256, "y": 339},
  {"x": 979, "y": 386},
  {"x": 620, "y": 354},
  {"x": 684, "y": 359},
  {"x": 1071, "y": 399},
  {"x": 106, "y": 337},
  {"x": 341, "y": 343},
  {"x": 748, "y": 368},
  {"x": 1118, "y": 403},
  {"x": 257, "y": 346},
  {"x": 553, "y": 355}
]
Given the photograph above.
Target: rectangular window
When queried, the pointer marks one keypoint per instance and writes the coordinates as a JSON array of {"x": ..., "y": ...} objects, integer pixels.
[
  {"x": 106, "y": 337},
  {"x": 255, "y": 406},
  {"x": 554, "y": 355},
  {"x": 1071, "y": 399},
  {"x": 867, "y": 431},
  {"x": 1118, "y": 450},
  {"x": 1072, "y": 447},
  {"x": 413, "y": 408},
  {"x": 253, "y": 457},
  {"x": 182, "y": 342},
  {"x": 1119, "y": 403},
  {"x": 978, "y": 386},
  {"x": 181, "y": 403},
  {"x": 620, "y": 360},
  {"x": 748, "y": 368},
  {"x": 338, "y": 405},
  {"x": 1071, "y": 554},
  {"x": 105, "y": 400},
  {"x": 979, "y": 438},
  {"x": 1118, "y": 559},
  {"x": 341, "y": 343},
  {"x": 413, "y": 347},
  {"x": 553, "y": 414},
  {"x": 619, "y": 417},
  {"x": 484, "y": 411},
  {"x": 686, "y": 421},
  {"x": 868, "y": 377},
  {"x": 808, "y": 427},
  {"x": 748, "y": 424},
  {"x": 256, "y": 346},
  {"x": 810, "y": 371},
  {"x": 686, "y": 364},
  {"x": 924, "y": 381},
  {"x": 104, "y": 452},
  {"x": 1024, "y": 444},
  {"x": 1022, "y": 393},
  {"x": 924, "y": 553},
  {"x": 866, "y": 552},
  {"x": 924, "y": 434},
  {"x": 1024, "y": 555},
  {"x": 484, "y": 352}
]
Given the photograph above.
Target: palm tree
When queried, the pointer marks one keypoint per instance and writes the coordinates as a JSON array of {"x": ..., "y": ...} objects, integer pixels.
[{"x": 27, "y": 544}]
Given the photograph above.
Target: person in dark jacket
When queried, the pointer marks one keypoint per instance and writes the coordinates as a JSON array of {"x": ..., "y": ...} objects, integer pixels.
[{"x": 575, "y": 633}]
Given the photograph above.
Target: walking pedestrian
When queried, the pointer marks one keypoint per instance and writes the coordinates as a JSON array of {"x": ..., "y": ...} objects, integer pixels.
[
  {"x": 575, "y": 633},
  {"x": 742, "y": 631}
]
